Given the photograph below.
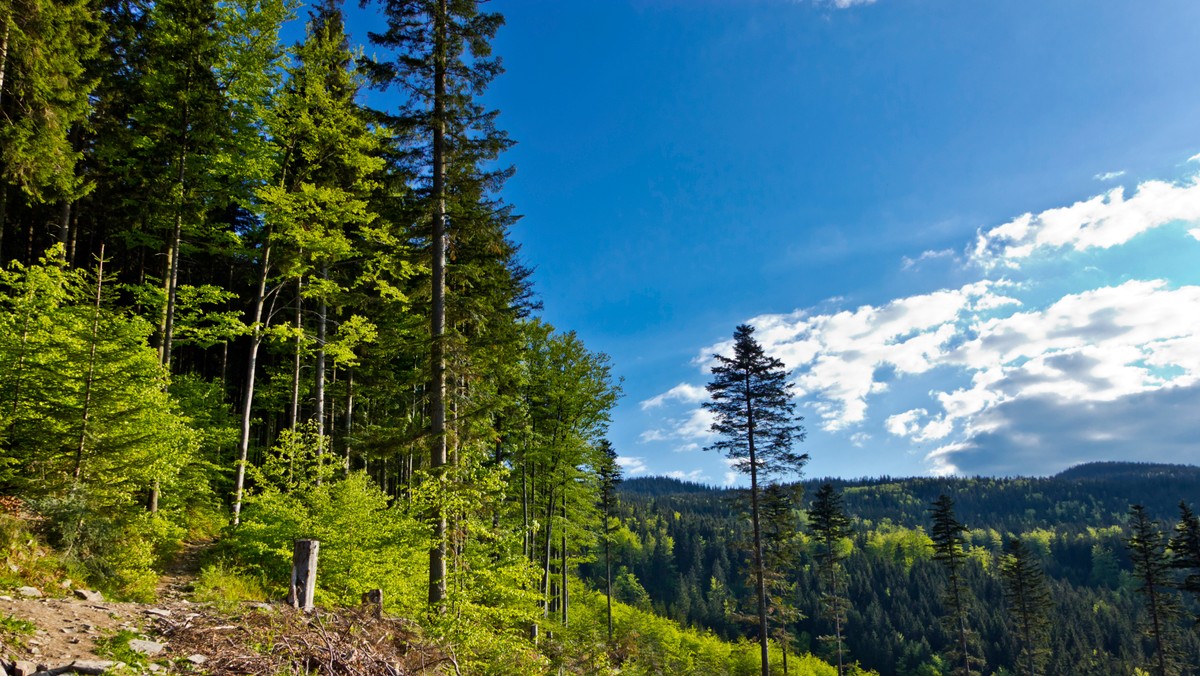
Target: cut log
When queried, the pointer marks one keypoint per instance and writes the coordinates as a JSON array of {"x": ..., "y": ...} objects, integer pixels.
[{"x": 304, "y": 574}]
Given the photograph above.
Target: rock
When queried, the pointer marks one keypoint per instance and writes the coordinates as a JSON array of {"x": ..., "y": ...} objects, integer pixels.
[
  {"x": 65, "y": 584},
  {"x": 5, "y": 598},
  {"x": 3, "y": 671},
  {"x": 30, "y": 593},
  {"x": 154, "y": 667},
  {"x": 89, "y": 595},
  {"x": 158, "y": 612},
  {"x": 146, "y": 647},
  {"x": 197, "y": 659},
  {"x": 92, "y": 666},
  {"x": 23, "y": 668}
]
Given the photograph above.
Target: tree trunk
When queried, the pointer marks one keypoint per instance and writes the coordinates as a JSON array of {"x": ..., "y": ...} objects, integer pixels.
[
  {"x": 91, "y": 374},
  {"x": 251, "y": 366},
  {"x": 294, "y": 412},
  {"x": 760, "y": 583},
  {"x": 349, "y": 415},
  {"x": 437, "y": 357},
  {"x": 566, "y": 596},
  {"x": 168, "y": 320},
  {"x": 4, "y": 48},
  {"x": 322, "y": 316},
  {"x": 608, "y": 565}
]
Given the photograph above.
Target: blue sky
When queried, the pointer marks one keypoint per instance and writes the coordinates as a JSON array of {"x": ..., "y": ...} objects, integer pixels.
[{"x": 971, "y": 229}]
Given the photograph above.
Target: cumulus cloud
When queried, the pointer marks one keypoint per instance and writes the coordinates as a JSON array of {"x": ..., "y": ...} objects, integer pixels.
[
  {"x": 696, "y": 475},
  {"x": 1195, "y": 232},
  {"x": 683, "y": 392},
  {"x": 632, "y": 466},
  {"x": 1109, "y": 175},
  {"x": 1104, "y": 221}
]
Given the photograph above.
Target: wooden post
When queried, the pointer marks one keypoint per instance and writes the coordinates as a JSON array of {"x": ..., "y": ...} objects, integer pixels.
[{"x": 304, "y": 574}]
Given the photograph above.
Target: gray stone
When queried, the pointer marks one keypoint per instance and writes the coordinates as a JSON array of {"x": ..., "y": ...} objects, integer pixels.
[
  {"x": 197, "y": 659},
  {"x": 30, "y": 592},
  {"x": 158, "y": 612},
  {"x": 92, "y": 666},
  {"x": 146, "y": 647},
  {"x": 23, "y": 668},
  {"x": 89, "y": 595}
]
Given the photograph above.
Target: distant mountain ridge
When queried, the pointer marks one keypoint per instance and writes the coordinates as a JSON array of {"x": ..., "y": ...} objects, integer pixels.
[{"x": 1115, "y": 470}]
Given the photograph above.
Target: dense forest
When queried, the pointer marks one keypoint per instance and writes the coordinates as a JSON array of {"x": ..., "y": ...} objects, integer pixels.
[
  {"x": 682, "y": 552},
  {"x": 238, "y": 305}
]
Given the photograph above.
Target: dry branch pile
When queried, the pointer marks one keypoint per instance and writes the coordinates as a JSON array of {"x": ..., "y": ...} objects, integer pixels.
[{"x": 348, "y": 642}]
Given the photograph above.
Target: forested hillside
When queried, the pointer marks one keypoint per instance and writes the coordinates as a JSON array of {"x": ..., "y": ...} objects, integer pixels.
[
  {"x": 683, "y": 552},
  {"x": 236, "y": 303}
]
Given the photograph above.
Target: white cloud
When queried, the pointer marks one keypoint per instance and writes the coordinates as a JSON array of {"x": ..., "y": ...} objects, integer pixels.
[
  {"x": 1109, "y": 175},
  {"x": 694, "y": 475},
  {"x": 1195, "y": 232},
  {"x": 846, "y": 4},
  {"x": 907, "y": 263},
  {"x": 683, "y": 392},
  {"x": 632, "y": 466},
  {"x": 1194, "y": 158},
  {"x": 1104, "y": 221}
]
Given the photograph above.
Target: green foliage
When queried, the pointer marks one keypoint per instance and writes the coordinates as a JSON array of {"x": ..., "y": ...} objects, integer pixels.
[
  {"x": 116, "y": 647},
  {"x": 227, "y": 585}
]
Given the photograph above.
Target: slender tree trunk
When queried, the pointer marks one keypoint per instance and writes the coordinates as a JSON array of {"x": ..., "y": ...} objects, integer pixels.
[
  {"x": 91, "y": 374},
  {"x": 546, "y": 559},
  {"x": 566, "y": 596},
  {"x": 168, "y": 321},
  {"x": 294, "y": 412},
  {"x": 322, "y": 316},
  {"x": 3, "y": 213},
  {"x": 251, "y": 366},
  {"x": 349, "y": 415},
  {"x": 437, "y": 357},
  {"x": 608, "y": 565},
  {"x": 759, "y": 567},
  {"x": 64, "y": 226},
  {"x": 7, "y": 18}
]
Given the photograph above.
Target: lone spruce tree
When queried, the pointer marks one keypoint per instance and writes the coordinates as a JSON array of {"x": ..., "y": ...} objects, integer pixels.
[
  {"x": 1152, "y": 570},
  {"x": 1028, "y": 597},
  {"x": 949, "y": 550},
  {"x": 829, "y": 525},
  {"x": 756, "y": 424}
]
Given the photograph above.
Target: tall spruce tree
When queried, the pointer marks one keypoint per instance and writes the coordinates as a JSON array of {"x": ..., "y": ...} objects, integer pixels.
[
  {"x": 757, "y": 428},
  {"x": 609, "y": 474},
  {"x": 949, "y": 549},
  {"x": 1029, "y": 603},
  {"x": 829, "y": 525},
  {"x": 442, "y": 62},
  {"x": 1152, "y": 570},
  {"x": 1184, "y": 548}
]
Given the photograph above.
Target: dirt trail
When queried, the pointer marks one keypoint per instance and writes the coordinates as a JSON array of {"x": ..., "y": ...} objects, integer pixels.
[{"x": 68, "y": 626}]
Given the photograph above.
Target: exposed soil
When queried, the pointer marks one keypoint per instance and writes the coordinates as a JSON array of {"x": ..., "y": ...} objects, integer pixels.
[{"x": 254, "y": 638}]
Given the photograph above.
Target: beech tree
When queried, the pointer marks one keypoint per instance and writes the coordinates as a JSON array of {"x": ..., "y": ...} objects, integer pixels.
[{"x": 757, "y": 427}]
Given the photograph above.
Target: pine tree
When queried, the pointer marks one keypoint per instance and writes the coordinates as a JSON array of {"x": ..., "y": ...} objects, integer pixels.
[
  {"x": 829, "y": 525},
  {"x": 1185, "y": 551},
  {"x": 949, "y": 550},
  {"x": 1151, "y": 568},
  {"x": 756, "y": 424},
  {"x": 1029, "y": 603}
]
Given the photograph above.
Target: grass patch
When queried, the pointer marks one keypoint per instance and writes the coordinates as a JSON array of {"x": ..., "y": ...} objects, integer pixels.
[
  {"x": 116, "y": 647},
  {"x": 14, "y": 630},
  {"x": 225, "y": 586}
]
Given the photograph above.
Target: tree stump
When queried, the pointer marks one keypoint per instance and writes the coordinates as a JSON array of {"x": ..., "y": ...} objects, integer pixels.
[
  {"x": 374, "y": 601},
  {"x": 304, "y": 574}
]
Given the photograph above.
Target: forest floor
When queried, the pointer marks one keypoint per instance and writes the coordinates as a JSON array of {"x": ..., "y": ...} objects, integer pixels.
[{"x": 62, "y": 631}]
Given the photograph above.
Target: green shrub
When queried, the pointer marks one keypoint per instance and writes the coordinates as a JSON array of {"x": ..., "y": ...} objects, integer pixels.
[{"x": 226, "y": 585}]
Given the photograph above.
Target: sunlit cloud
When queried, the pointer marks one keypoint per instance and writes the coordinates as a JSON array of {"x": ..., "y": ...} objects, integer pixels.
[
  {"x": 683, "y": 392},
  {"x": 1103, "y": 221},
  {"x": 1109, "y": 175},
  {"x": 632, "y": 466}
]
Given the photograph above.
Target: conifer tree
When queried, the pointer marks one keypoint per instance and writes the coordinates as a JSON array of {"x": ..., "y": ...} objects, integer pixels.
[
  {"x": 1151, "y": 568},
  {"x": 1184, "y": 548},
  {"x": 829, "y": 525},
  {"x": 1029, "y": 603},
  {"x": 443, "y": 61},
  {"x": 609, "y": 474},
  {"x": 756, "y": 424},
  {"x": 949, "y": 550}
]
